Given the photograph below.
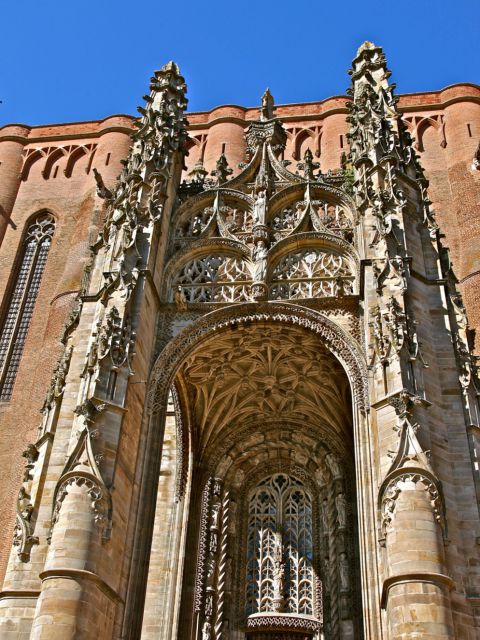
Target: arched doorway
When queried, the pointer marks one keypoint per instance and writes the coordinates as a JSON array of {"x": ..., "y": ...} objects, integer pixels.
[{"x": 269, "y": 412}]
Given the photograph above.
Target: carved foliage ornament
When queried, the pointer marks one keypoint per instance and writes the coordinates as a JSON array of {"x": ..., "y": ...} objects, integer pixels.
[
  {"x": 57, "y": 384},
  {"x": 23, "y": 538}
]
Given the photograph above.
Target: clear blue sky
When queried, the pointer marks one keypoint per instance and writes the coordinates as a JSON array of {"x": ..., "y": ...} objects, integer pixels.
[{"x": 65, "y": 60}]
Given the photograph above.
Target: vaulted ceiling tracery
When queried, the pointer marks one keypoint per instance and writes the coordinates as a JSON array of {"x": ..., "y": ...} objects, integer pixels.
[{"x": 264, "y": 373}]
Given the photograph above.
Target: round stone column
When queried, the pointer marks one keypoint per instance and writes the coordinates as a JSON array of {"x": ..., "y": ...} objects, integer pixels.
[
  {"x": 12, "y": 141},
  {"x": 416, "y": 595},
  {"x": 75, "y": 602}
]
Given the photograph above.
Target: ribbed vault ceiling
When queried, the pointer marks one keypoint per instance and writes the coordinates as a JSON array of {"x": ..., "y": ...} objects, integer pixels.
[{"x": 262, "y": 373}]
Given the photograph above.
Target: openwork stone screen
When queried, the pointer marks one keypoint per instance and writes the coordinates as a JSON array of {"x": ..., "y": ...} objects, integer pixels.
[
  {"x": 22, "y": 300},
  {"x": 280, "y": 575},
  {"x": 215, "y": 278},
  {"x": 310, "y": 273}
]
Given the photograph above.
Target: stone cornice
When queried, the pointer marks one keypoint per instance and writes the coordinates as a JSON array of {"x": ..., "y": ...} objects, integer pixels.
[{"x": 19, "y": 593}]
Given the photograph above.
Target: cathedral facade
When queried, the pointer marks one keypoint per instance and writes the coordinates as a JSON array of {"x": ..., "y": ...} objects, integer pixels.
[{"x": 239, "y": 396}]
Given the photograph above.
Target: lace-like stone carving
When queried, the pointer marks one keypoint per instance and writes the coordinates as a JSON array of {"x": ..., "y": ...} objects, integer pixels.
[
  {"x": 280, "y": 576},
  {"x": 311, "y": 273},
  {"x": 214, "y": 278}
]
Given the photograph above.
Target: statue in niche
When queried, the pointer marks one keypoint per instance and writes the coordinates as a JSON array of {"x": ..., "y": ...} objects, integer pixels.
[
  {"x": 326, "y": 576},
  {"x": 180, "y": 299},
  {"x": 340, "y": 289},
  {"x": 260, "y": 256},
  {"x": 260, "y": 208},
  {"x": 343, "y": 567},
  {"x": 334, "y": 466},
  {"x": 325, "y": 516},
  {"x": 213, "y": 542},
  {"x": 210, "y": 571},
  {"x": 341, "y": 504},
  {"x": 209, "y": 604}
]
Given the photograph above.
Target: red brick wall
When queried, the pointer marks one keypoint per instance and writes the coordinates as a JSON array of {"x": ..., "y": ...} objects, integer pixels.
[{"x": 77, "y": 211}]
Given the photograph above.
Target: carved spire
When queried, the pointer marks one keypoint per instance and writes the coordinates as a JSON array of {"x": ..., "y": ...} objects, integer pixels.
[
  {"x": 135, "y": 206},
  {"x": 139, "y": 195}
]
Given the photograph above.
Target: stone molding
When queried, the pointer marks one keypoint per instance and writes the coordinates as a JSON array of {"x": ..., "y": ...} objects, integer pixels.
[
  {"x": 82, "y": 574},
  {"x": 414, "y": 577}
]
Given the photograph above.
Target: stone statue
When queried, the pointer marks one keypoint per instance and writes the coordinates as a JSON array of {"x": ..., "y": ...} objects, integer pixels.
[
  {"x": 180, "y": 299},
  {"x": 341, "y": 504},
  {"x": 266, "y": 110},
  {"x": 215, "y": 515},
  {"x": 325, "y": 515},
  {"x": 334, "y": 466},
  {"x": 278, "y": 576},
  {"x": 260, "y": 208},
  {"x": 260, "y": 255},
  {"x": 326, "y": 575},
  {"x": 343, "y": 566}
]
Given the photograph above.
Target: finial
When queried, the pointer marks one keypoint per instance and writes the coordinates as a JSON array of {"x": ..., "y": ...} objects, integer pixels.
[
  {"x": 366, "y": 45},
  {"x": 308, "y": 166},
  {"x": 171, "y": 66},
  {"x": 169, "y": 75},
  {"x": 222, "y": 170},
  {"x": 267, "y": 108},
  {"x": 198, "y": 173}
]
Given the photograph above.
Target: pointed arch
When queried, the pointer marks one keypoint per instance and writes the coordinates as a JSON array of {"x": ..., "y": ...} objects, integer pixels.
[
  {"x": 76, "y": 153},
  {"x": 170, "y": 361},
  {"x": 53, "y": 157},
  {"x": 32, "y": 156}
]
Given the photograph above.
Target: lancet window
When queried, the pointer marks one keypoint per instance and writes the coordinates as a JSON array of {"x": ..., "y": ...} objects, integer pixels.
[
  {"x": 280, "y": 575},
  {"x": 214, "y": 278},
  {"x": 22, "y": 300},
  {"x": 311, "y": 273}
]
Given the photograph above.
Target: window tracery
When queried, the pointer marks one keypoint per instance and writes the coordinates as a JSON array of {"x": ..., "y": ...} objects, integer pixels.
[
  {"x": 238, "y": 220},
  {"x": 279, "y": 575},
  {"x": 22, "y": 300},
  {"x": 287, "y": 218},
  {"x": 311, "y": 273},
  {"x": 193, "y": 226},
  {"x": 214, "y": 278}
]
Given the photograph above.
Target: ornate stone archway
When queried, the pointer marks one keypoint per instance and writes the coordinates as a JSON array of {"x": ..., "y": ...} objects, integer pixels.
[{"x": 305, "y": 335}]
